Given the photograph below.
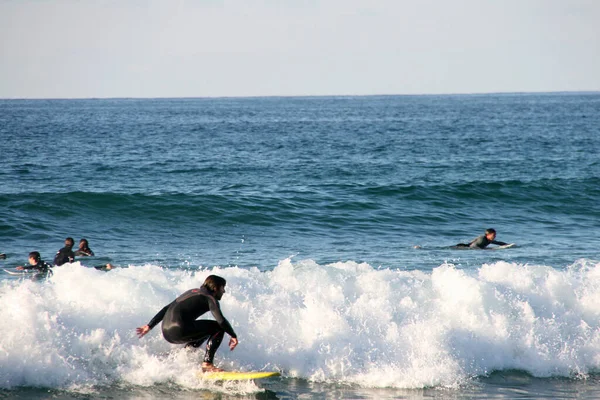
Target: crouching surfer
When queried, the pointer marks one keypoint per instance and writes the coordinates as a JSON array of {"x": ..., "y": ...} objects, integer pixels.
[
  {"x": 36, "y": 263},
  {"x": 179, "y": 324}
]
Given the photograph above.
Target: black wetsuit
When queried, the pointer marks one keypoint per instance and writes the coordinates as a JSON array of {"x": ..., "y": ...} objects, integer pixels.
[
  {"x": 44, "y": 270},
  {"x": 64, "y": 255},
  {"x": 179, "y": 324},
  {"x": 481, "y": 242}
]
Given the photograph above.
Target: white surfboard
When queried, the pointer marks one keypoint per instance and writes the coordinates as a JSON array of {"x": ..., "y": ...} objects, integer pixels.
[
  {"x": 17, "y": 272},
  {"x": 505, "y": 246}
]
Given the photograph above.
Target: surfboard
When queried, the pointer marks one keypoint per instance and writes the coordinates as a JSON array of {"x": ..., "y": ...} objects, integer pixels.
[
  {"x": 16, "y": 272},
  {"x": 506, "y": 246},
  {"x": 237, "y": 375}
]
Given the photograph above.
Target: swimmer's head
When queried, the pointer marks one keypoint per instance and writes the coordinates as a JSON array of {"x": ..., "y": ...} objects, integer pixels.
[{"x": 35, "y": 257}]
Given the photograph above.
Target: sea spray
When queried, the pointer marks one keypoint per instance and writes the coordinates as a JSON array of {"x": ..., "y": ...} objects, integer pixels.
[{"x": 343, "y": 322}]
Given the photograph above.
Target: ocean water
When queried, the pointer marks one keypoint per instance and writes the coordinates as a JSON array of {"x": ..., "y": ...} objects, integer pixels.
[{"x": 332, "y": 219}]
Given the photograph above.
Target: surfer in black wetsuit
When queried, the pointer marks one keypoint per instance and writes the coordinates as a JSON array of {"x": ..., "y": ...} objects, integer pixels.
[
  {"x": 35, "y": 262},
  {"x": 65, "y": 255},
  {"x": 179, "y": 324},
  {"x": 84, "y": 249},
  {"x": 481, "y": 242}
]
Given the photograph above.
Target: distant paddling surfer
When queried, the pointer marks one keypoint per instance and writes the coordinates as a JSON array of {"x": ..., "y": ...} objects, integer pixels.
[
  {"x": 179, "y": 324},
  {"x": 481, "y": 242}
]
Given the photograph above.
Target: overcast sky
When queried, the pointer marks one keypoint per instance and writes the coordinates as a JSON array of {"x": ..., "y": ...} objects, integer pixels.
[{"x": 206, "y": 48}]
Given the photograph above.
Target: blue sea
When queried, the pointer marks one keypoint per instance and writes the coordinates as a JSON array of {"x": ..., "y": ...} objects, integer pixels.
[{"x": 333, "y": 221}]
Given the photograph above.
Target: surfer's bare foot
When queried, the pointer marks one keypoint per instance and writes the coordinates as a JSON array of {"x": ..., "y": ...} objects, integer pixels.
[{"x": 208, "y": 367}]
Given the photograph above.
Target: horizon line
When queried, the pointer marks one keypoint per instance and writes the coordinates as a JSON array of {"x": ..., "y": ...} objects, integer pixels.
[{"x": 307, "y": 95}]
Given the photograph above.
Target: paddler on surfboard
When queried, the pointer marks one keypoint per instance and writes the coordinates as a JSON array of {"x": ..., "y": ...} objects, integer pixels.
[
  {"x": 36, "y": 263},
  {"x": 179, "y": 324},
  {"x": 481, "y": 242}
]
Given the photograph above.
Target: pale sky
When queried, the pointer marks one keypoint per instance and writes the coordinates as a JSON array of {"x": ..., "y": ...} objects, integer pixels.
[{"x": 208, "y": 48}]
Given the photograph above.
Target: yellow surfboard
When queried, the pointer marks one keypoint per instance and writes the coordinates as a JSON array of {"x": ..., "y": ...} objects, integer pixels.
[{"x": 236, "y": 375}]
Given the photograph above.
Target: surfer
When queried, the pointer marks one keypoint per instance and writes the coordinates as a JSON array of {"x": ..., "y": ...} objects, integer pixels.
[
  {"x": 84, "y": 249},
  {"x": 65, "y": 255},
  {"x": 104, "y": 267},
  {"x": 179, "y": 324},
  {"x": 35, "y": 262},
  {"x": 481, "y": 242}
]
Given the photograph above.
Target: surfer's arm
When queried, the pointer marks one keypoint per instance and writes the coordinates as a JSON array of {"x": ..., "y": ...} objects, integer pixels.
[
  {"x": 142, "y": 330},
  {"x": 159, "y": 316},
  {"x": 221, "y": 320},
  {"x": 499, "y": 243}
]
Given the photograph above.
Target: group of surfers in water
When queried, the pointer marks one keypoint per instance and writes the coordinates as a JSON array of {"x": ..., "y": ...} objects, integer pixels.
[
  {"x": 179, "y": 318},
  {"x": 41, "y": 269}
]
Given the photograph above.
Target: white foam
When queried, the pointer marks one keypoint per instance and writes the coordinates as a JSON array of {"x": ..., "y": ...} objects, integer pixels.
[{"x": 344, "y": 322}]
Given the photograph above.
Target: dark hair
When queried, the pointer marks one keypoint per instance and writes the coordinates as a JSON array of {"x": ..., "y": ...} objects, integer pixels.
[
  {"x": 214, "y": 282},
  {"x": 35, "y": 255},
  {"x": 70, "y": 241},
  {"x": 490, "y": 230},
  {"x": 85, "y": 242}
]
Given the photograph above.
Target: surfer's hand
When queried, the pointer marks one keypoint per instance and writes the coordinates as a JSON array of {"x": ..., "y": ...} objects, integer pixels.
[
  {"x": 20, "y": 268},
  {"x": 232, "y": 343},
  {"x": 142, "y": 330}
]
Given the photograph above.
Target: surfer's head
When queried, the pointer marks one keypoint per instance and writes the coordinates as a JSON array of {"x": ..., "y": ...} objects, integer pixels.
[
  {"x": 490, "y": 234},
  {"x": 69, "y": 242},
  {"x": 216, "y": 285},
  {"x": 34, "y": 257}
]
